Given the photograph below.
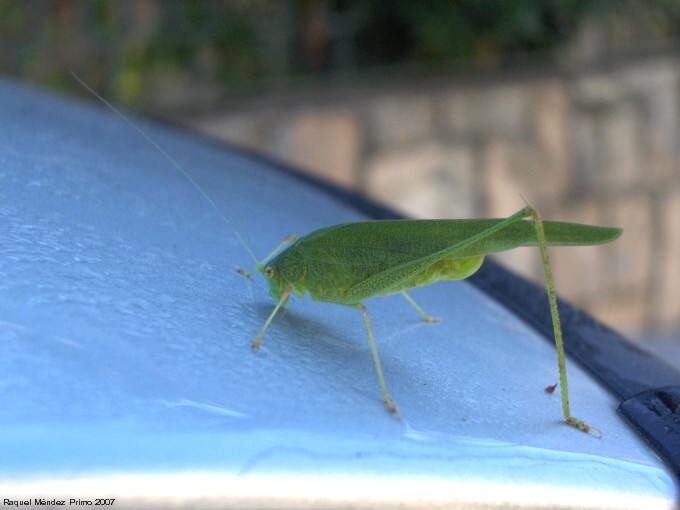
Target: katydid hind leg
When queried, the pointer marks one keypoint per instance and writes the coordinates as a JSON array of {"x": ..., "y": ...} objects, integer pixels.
[
  {"x": 426, "y": 317},
  {"x": 557, "y": 328},
  {"x": 378, "y": 367}
]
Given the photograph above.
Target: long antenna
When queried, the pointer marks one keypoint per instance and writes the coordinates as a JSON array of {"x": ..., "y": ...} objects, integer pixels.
[{"x": 175, "y": 164}]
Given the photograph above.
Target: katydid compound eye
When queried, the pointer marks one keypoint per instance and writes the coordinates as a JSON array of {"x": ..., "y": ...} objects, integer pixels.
[{"x": 269, "y": 272}]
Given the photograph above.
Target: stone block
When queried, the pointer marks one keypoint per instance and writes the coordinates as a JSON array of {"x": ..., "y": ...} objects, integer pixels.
[
  {"x": 504, "y": 111},
  {"x": 630, "y": 262},
  {"x": 667, "y": 301},
  {"x": 433, "y": 180},
  {"x": 598, "y": 90},
  {"x": 399, "y": 119},
  {"x": 621, "y": 133},
  {"x": 515, "y": 172},
  {"x": 503, "y": 178},
  {"x": 586, "y": 154},
  {"x": 248, "y": 130},
  {"x": 607, "y": 148},
  {"x": 326, "y": 142},
  {"x": 580, "y": 272},
  {"x": 553, "y": 145},
  {"x": 624, "y": 314}
]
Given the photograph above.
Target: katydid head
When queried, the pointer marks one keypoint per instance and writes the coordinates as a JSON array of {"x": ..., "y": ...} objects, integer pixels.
[
  {"x": 286, "y": 270},
  {"x": 276, "y": 281}
]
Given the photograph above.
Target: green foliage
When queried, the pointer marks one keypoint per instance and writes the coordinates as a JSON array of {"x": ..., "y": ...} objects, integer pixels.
[{"x": 127, "y": 48}]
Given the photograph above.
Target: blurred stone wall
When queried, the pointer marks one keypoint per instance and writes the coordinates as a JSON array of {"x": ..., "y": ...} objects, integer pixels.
[{"x": 595, "y": 145}]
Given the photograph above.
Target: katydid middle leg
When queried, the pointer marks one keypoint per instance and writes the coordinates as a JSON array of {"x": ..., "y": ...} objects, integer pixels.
[{"x": 426, "y": 317}]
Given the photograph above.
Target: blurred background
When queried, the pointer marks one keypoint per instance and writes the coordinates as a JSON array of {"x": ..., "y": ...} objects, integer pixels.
[{"x": 439, "y": 109}]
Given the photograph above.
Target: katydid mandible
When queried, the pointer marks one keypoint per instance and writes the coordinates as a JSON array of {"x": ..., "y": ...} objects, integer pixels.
[{"x": 350, "y": 263}]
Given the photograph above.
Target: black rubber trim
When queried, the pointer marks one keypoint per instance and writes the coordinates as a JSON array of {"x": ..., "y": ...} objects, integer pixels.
[{"x": 655, "y": 414}]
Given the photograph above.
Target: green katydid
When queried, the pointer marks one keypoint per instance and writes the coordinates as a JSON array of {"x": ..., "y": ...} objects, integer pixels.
[{"x": 350, "y": 263}]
